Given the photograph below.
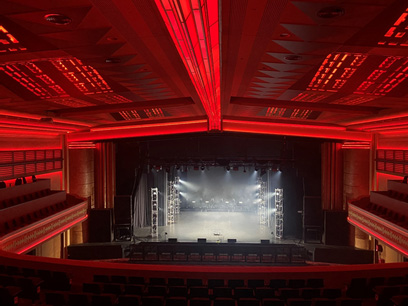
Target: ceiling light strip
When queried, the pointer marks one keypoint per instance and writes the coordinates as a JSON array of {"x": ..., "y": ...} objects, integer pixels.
[
  {"x": 303, "y": 130},
  {"x": 194, "y": 28}
]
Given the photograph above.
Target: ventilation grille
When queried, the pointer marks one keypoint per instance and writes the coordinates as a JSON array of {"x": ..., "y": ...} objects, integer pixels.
[{"x": 15, "y": 164}]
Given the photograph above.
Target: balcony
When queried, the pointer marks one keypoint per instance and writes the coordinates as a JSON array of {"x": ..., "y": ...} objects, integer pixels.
[
  {"x": 32, "y": 213},
  {"x": 384, "y": 215}
]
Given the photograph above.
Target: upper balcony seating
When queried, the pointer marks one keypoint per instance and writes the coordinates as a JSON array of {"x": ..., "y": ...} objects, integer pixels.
[
  {"x": 23, "y": 205},
  {"x": 391, "y": 205}
]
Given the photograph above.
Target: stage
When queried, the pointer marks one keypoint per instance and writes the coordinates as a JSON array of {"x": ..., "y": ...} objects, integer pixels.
[{"x": 214, "y": 226}]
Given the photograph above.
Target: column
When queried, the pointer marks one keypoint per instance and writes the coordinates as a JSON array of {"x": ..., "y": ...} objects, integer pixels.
[
  {"x": 81, "y": 183},
  {"x": 356, "y": 184}
]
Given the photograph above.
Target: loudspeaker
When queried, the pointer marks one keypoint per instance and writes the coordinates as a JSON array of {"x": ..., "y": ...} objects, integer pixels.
[
  {"x": 336, "y": 228},
  {"x": 201, "y": 240},
  {"x": 100, "y": 225},
  {"x": 232, "y": 240},
  {"x": 265, "y": 241},
  {"x": 172, "y": 240},
  {"x": 123, "y": 209},
  {"x": 343, "y": 255},
  {"x": 312, "y": 219},
  {"x": 312, "y": 211},
  {"x": 93, "y": 252}
]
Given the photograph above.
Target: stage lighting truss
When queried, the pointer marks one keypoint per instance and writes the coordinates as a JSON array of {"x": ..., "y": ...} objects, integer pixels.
[
  {"x": 173, "y": 200},
  {"x": 155, "y": 211},
  {"x": 279, "y": 213},
  {"x": 262, "y": 204}
]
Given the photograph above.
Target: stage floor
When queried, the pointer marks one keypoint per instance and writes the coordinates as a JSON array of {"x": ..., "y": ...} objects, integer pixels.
[{"x": 213, "y": 226}]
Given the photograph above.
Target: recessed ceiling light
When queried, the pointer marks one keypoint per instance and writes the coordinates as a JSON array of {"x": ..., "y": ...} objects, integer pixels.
[
  {"x": 331, "y": 12},
  {"x": 111, "y": 38},
  {"x": 112, "y": 60},
  {"x": 293, "y": 57},
  {"x": 284, "y": 35},
  {"x": 58, "y": 19}
]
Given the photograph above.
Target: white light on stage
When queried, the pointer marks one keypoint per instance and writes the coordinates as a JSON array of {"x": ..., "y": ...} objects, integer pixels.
[
  {"x": 240, "y": 202},
  {"x": 206, "y": 202}
]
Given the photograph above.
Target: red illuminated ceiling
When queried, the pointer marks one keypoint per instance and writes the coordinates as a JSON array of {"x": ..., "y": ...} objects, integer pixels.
[
  {"x": 397, "y": 35},
  {"x": 335, "y": 71},
  {"x": 122, "y": 68},
  {"x": 8, "y": 42},
  {"x": 194, "y": 28}
]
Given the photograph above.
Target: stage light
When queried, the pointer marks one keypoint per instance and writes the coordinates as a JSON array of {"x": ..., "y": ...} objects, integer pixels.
[
  {"x": 228, "y": 168},
  {"x": 202, "y": 168}
]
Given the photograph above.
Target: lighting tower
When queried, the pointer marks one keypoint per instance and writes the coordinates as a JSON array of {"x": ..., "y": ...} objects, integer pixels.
[
  {"x": 155, "y": 211},
  {"x": 279, "y": 213}
]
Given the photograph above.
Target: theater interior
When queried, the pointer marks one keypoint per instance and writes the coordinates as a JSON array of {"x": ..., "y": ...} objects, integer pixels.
[{"x": 204, "y": 152}]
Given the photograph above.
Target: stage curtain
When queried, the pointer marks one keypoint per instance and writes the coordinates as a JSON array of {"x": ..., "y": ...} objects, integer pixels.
[{"x": 141, "y": 203}]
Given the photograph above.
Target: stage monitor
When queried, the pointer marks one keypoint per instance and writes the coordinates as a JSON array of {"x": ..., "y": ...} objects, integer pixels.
[
  {"x": 172, "y": 240},
  {"x": 201, "y": 240},
  {"x": 232, "y": 240},
  {"x": 265, "y": 241}
]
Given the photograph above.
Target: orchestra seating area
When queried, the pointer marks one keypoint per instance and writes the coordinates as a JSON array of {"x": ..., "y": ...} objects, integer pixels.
[{"x": 30, "y": 280}]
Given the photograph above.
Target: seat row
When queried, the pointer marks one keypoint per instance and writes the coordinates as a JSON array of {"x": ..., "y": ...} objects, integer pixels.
[
  {"x": 24, "y": 198},
  {"x": 259, "y": 293},
  {"x": 388, "y": 214},
  {"x": 90, "y": 299},
  {"x": 397, "y": 195},
  {"x": 211, "y": 283},
  {"x": 54, "y": 280},
  {"x": 27, "y": 219}
]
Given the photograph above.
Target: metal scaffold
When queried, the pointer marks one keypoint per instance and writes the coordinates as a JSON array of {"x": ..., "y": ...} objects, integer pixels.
[
  {"x": 279, "y": 213},
  {"x": 155, "y": 211},
  {"x": 173, "y": 200},
  {"x": 262, "y": 205}
]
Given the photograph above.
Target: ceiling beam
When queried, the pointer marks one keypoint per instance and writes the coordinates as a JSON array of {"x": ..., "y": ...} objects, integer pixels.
[
  {"x": 112, "y": 108},
  {"x": 322, "y": 107}
]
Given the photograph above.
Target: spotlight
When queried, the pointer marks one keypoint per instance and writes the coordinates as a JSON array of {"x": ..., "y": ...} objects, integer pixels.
[
  {"x": 228, "y": 168},
  {"x": 256, "y": 168},
  {"x": 177, "y": 167},
  {"x": 331, "y": 12},
  {"x": 244, "y": 170},
  {"x": 58, "y": 19},
  {"x": 202, "y": 168}
]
